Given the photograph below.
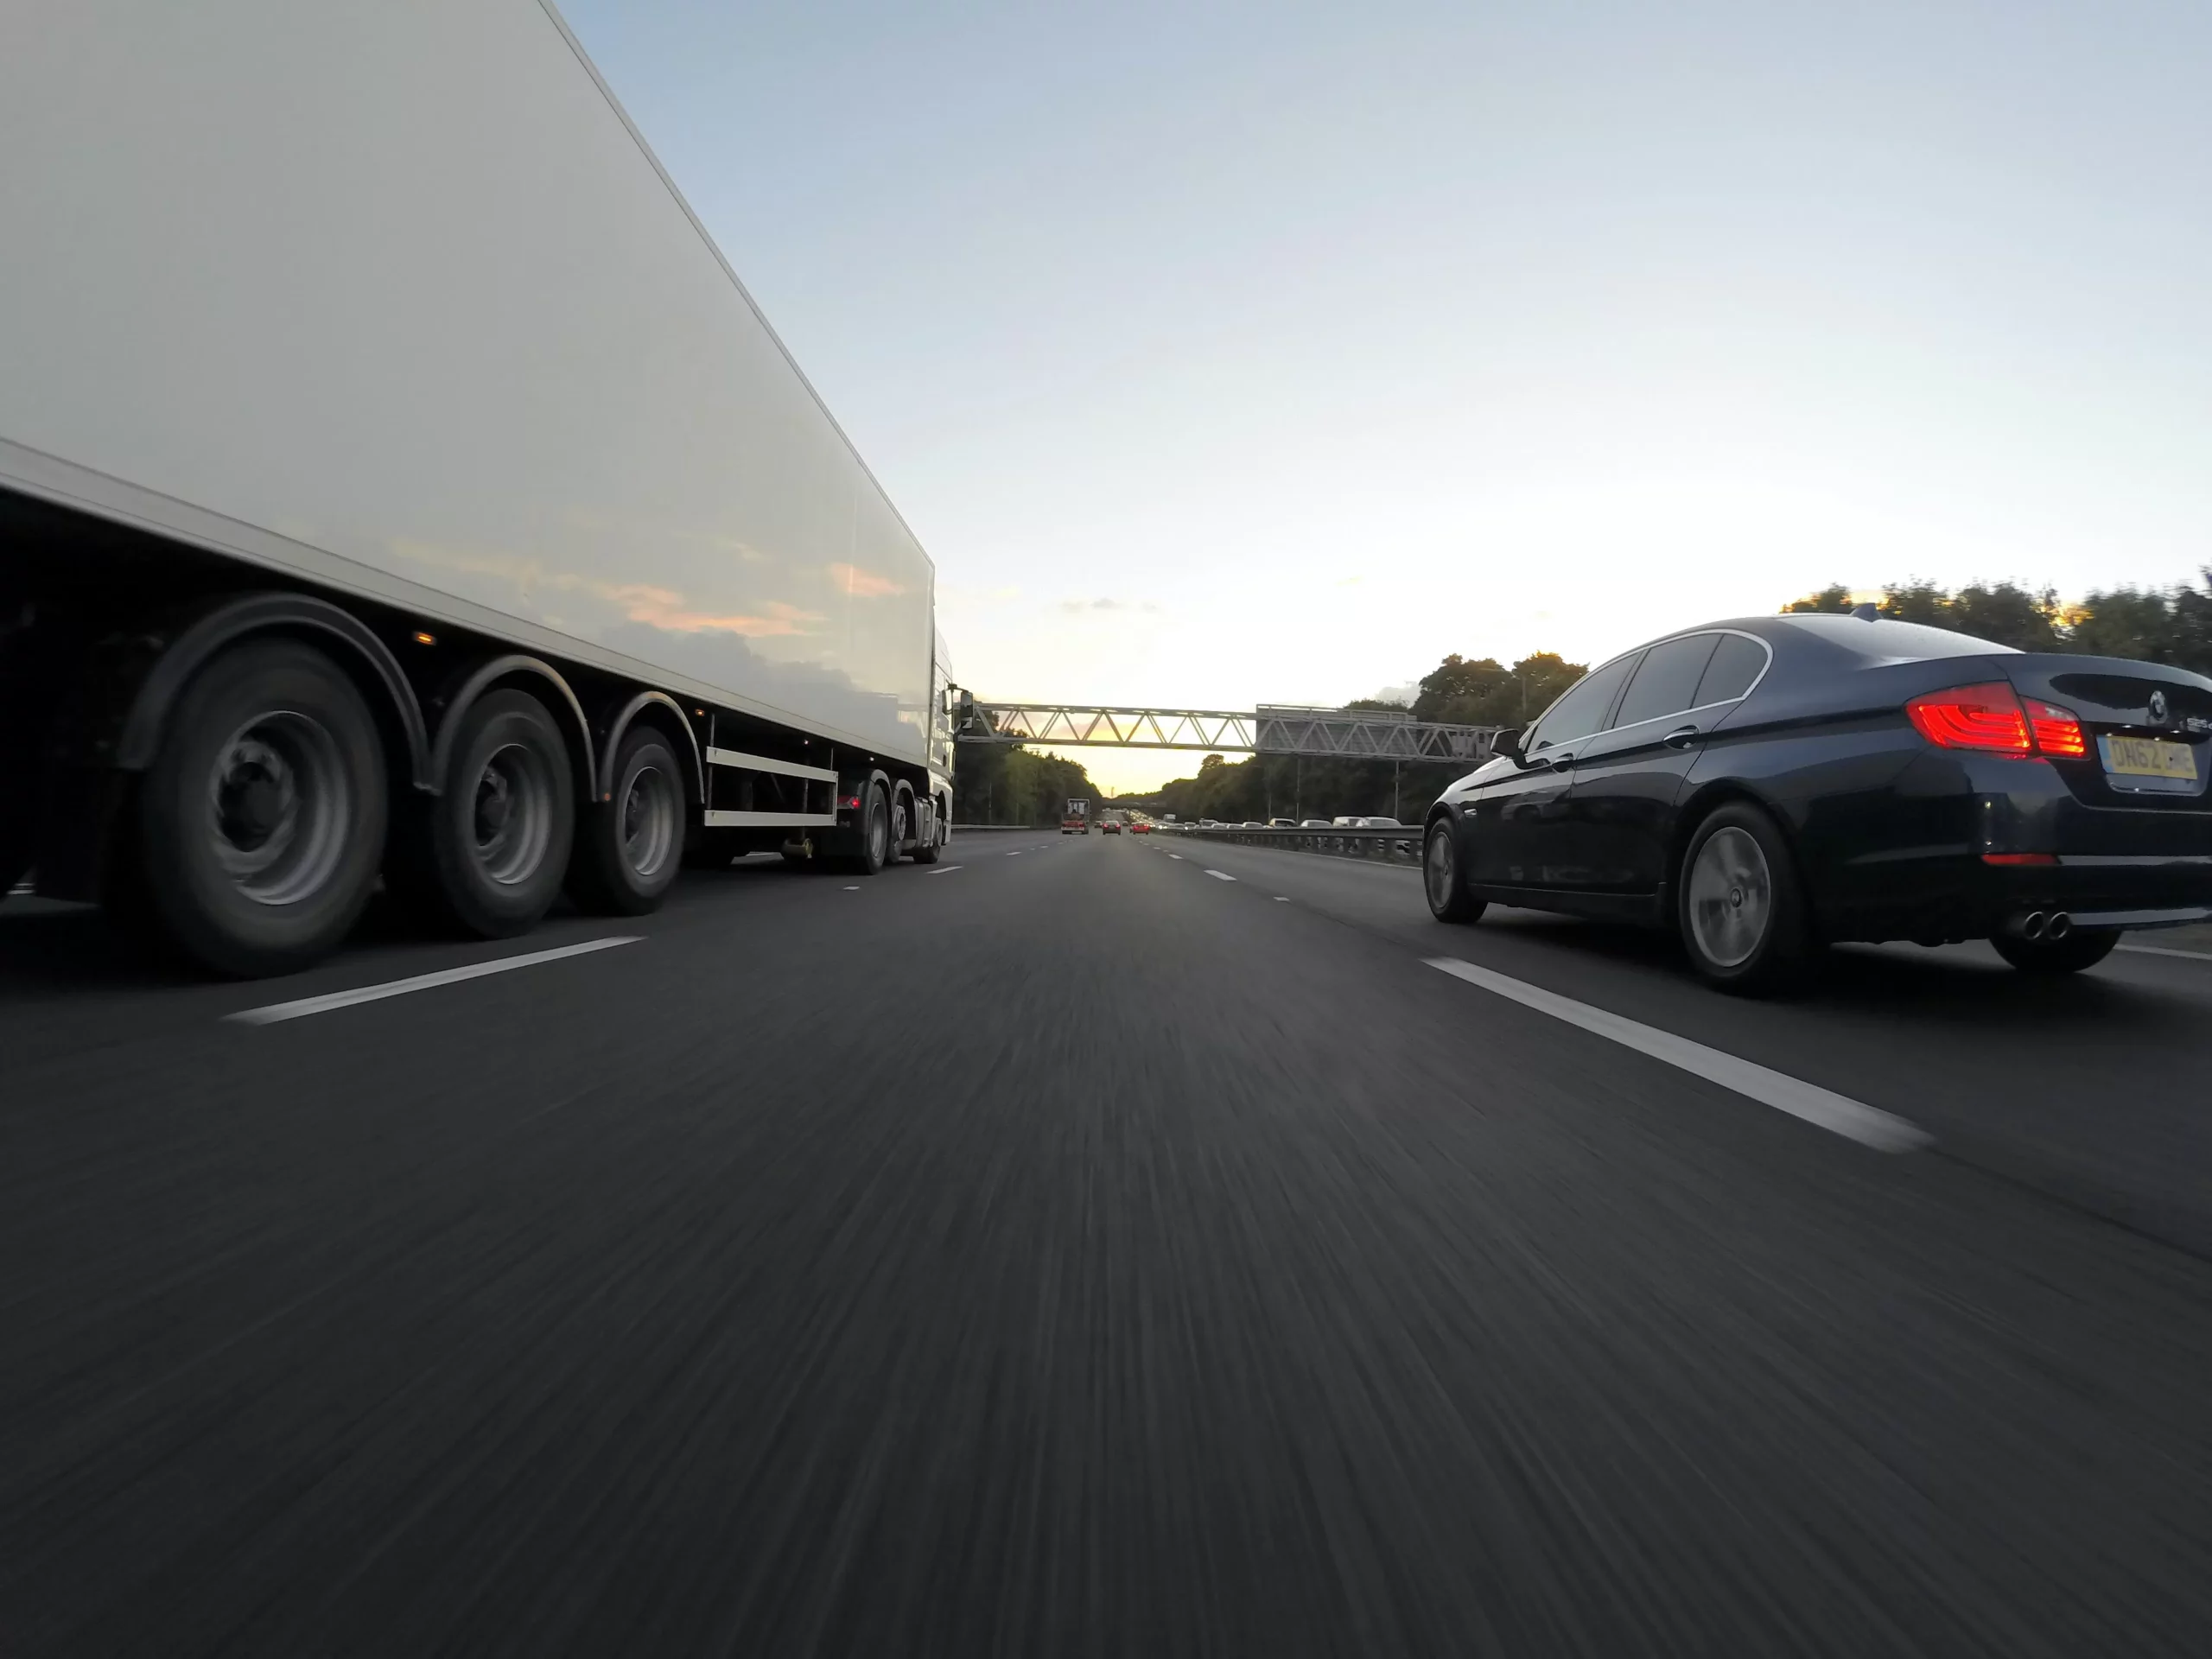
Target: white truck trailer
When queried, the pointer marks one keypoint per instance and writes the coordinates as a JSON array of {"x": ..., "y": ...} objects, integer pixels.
[{"x": 394, "y": 478}]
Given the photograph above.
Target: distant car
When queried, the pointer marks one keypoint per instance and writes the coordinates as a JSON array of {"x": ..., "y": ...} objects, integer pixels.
[
  {"x": 1111, "y": 827},
  {"x": 1209, "y": 824},
  {"x": 1379, "y": 823},
  {"x": 1282, "y": 823},
  {"x": 1766, "y": 786},
  {"x": 1343, "y": 823},
  {"x": 1251, "y": 823},
  {"x": 1140, "y": 828},
  {"x": 1314, "y": 823}
]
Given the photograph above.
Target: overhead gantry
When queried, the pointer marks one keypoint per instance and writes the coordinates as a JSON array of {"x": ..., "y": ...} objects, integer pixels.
[{"x": 1272, "y": 728}]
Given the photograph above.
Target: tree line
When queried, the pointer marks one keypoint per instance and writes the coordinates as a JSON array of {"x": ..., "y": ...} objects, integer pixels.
[
  {"x": 2170, "y": 624},
  {"x": 1009, "y": 785}
]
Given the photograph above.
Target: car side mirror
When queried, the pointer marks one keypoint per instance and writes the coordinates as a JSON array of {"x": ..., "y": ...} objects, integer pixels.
[{"x": 1508, "y": 745}]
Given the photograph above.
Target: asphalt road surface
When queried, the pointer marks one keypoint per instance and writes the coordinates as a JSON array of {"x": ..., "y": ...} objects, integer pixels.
[{"x": 1074, "y": 1250}]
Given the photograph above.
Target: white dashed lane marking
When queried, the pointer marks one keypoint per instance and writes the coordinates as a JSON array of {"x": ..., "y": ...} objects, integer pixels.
[
  {"x": 1837, "y": 1113},
  {"x": 306, "y": 1005},
  {"x": 1221, "y": 875},
  {"x": 2167, "y": 950}
]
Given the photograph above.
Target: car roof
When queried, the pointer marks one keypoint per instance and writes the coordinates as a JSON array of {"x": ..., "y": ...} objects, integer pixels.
[{"x": 1838, "y": 639}]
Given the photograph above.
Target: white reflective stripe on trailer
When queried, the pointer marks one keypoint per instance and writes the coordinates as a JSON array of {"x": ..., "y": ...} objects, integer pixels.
[
  {"x": 764, "y": 763},
  {"x": 718, "y": 820}
]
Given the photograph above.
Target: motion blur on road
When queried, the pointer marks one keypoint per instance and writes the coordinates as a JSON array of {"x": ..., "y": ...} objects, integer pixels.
[{"x": 1233, "y": 1279}]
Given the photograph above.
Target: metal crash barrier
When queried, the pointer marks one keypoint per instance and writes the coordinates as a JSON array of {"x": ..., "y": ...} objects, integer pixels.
[{"x": 1399, "y": 846}]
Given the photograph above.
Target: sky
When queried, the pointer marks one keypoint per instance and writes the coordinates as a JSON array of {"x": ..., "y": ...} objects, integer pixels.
[{"x": 1223, "y": 354}]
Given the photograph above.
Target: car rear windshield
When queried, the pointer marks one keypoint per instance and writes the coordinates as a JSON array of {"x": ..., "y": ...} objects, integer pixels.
[{"x": 1885, "y": 641}]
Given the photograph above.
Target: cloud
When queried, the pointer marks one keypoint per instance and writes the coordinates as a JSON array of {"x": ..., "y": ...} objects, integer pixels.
[
  {"x": 862, "y": 584},
  {"x": 660, "y": 608}
]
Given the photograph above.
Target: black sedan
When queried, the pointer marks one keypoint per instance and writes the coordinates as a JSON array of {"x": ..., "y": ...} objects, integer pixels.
[{"x": 1769, "y": 785}]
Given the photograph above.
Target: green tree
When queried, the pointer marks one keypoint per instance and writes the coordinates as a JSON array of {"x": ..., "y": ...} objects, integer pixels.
[
  {"x": 1482, "y": 693},
  {"x": 1834, "y": 600},
  {"x": 2173, "y": 625},
  {"x": 1917, "y": 601},
  {"x": 2008, "y": 614}
]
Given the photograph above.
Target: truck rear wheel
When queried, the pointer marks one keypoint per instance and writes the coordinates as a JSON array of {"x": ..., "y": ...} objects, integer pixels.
[
  {"x": 498, "y": 836},
  {"x": 261, "y": 822},
  {"x": 876, "y": 845},
  {"x": 630, "y": 847}
]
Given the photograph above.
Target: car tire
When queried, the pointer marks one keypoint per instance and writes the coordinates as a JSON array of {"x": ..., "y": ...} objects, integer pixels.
[
  {"x": 494, "y": 844},
  {"x": 1740, "y": 908},
  {"x": 2085, "y": 947},
  {"x": 260, "y": 826},
  {"x": 1442, "y": 877},
  {"x": 876, "y": 846},
  {"x": 630, "y": 847}
]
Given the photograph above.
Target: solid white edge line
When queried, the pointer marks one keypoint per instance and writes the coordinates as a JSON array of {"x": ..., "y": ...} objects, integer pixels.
[
  {"x": 1221, "y": 875},
  {"x": 306, "y": 1005},
  {"x": 948, "y": 869},
  {"x": 2166, "y": 950},
  {"x": 1837, "y": 1113}
]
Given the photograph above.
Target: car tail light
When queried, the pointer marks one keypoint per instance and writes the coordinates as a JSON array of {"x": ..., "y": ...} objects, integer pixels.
[
  {"x": 1993, "y": 718},
  {"x": 2057, "y": 730},
  {"x": 1987, "y": 717},
  {"x": 2019, "y": 858}
]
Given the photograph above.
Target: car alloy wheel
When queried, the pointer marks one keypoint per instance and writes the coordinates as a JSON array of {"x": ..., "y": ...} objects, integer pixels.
[{"x": 1730, "y": 897}]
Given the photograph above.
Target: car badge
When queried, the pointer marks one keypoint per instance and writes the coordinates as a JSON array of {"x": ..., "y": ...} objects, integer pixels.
[{"x": 2157, "y": 708}]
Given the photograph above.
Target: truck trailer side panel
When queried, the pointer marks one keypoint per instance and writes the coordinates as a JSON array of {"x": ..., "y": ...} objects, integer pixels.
[{"x": 392, "y": 298}]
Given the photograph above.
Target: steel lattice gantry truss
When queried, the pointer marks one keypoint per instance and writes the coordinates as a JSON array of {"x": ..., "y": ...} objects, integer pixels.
[{"x": 1343, "y": 733}]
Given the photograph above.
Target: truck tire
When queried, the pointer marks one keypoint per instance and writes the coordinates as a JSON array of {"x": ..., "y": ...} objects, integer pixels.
[
  {"x": 902, "y": 824},
  {"x": 260, "y": 825},
  {"x": 630, "y": 848},
  {"x": 497, "y": 839},
  {"x": 876, "y": 845},
  {"x": 929, "y": 852}
]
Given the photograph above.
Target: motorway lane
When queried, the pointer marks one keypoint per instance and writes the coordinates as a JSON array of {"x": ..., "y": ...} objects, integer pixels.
[
  {"x": 1070, "y": 1252},
  {"x": 2087, "y": 1088}
]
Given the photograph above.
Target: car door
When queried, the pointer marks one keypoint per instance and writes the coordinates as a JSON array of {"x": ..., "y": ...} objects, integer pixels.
[
  {"x": 1620, "y": 811},
  {"x": 1514, "y": 822}
]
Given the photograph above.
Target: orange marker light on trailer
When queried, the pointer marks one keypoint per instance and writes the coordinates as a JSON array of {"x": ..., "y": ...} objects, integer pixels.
[{"x": 422, "y": 638}]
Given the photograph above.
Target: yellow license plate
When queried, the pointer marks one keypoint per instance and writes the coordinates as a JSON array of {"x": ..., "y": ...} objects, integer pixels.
[{"x": 2146, "y": 757}]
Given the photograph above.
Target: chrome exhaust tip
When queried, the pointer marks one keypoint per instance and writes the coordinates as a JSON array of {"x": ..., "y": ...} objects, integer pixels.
[
  {"x": 2059, "y": 926},
  {"x": 2030, "y": 925}
]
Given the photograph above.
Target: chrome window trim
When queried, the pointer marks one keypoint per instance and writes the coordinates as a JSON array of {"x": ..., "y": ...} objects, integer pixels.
[{"x": 1765, "y": 668}]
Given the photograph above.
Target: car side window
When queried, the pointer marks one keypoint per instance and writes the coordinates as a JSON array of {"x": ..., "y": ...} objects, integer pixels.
[
  {"x": 1583, "y": 710},
  {"x": 1736, "y": 663},
  {"x": 1667, "y": 683}
]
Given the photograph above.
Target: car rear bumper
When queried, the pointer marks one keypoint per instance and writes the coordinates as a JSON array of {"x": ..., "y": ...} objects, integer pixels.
[{"x": 2000, "y": 838}]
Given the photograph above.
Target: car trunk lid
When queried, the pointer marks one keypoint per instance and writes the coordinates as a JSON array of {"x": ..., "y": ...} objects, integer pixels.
[{"x": 2148, "y": 727}]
